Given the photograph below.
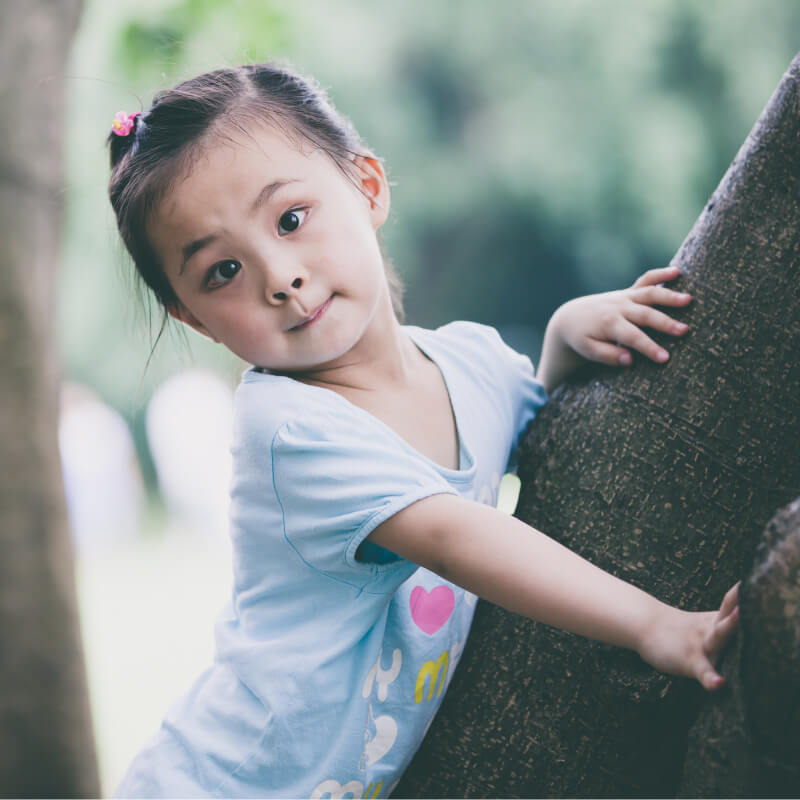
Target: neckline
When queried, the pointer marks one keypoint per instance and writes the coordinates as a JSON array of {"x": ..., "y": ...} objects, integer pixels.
[
  {"x": 419, "y": 336},
  {"x": 466, "y": 463}
]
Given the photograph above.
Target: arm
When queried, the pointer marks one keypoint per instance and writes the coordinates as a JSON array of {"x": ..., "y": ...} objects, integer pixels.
[
  {"x": 513, "y": 565},
  {"x": 600, "y": 327}
]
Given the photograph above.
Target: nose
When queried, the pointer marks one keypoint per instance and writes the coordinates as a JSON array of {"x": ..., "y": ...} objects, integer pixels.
[
  {"x": 281, "y": 272},
  {"x": 280, "y": 296}
]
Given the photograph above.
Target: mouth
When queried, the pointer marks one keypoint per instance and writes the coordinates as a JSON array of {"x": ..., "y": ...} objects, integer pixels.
[{"x": 314, "y": 316}]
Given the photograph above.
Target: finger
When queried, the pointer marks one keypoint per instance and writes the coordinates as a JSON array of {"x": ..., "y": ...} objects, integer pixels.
[
  {"x": 658, "y": 296},
  {"x": 629, "y": 335},
  {"x": 730, "y": 601},
  {"x": 723, "y": 630},
  {"x": 607, "y": 353},
  {"x": 711, "y": 679},
  {"x": 659, "y": 275},
  {"x": 720, "y": 633},
  {"x": 646, "y": 317}
]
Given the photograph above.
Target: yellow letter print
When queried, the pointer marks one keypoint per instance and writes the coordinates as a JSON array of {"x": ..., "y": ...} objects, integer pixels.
[{"x": 432, "y": 670}]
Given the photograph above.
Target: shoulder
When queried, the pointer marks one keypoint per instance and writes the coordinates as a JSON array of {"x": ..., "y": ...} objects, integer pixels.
[
  {"x": 461, "y": 332},
  {"x": 474, "y": 347},
  {"x": 265, "y": 404}
]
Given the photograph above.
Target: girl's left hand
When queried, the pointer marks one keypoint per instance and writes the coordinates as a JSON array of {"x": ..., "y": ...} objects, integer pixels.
[{"x": 605, "y": 327}]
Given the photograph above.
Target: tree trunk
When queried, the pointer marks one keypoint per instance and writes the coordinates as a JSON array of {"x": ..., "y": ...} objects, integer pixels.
[
  {"x": 46, "y": 747},
  {"x": 662, "y": 475}
]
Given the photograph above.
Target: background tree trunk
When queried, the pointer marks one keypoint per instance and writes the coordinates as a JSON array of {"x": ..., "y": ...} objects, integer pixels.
[
  {"x": 46, "y": 747},
  {"x": 664, "y": 476}
]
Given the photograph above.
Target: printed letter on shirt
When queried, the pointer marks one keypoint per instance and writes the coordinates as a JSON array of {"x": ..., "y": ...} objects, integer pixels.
[
  {"x": 355, "y": 789},
  {"x": 383, "y": 676},
  {"x": 336, "y": 791},
  {"x": 431, "y": 669},
  {"x": 385, "y": 735}
]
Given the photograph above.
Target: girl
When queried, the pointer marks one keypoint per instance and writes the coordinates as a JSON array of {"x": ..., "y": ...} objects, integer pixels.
[{"x": 366, "y": 454}]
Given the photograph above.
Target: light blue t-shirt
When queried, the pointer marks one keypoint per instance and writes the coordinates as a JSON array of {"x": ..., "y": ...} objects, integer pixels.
[{"x": 333, "y": 655}]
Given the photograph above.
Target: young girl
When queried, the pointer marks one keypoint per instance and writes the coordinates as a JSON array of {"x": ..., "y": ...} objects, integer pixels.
[{"x": 366, "y": 454}]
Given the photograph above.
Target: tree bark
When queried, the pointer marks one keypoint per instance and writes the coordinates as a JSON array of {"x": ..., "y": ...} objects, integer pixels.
[
  {"x": 662, "y": 475},
  {"x": 46, "y": 747}
]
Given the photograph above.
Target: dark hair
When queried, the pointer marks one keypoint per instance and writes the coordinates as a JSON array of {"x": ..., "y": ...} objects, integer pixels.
[{"x": 166, "y": 139}]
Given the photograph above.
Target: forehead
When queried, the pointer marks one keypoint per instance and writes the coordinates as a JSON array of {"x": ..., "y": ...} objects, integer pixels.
[
  {"x": 232, "y": 154},
  {"x": 233, "y": 162}
]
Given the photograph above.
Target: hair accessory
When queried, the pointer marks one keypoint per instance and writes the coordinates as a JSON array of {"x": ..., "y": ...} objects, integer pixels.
[{"x": 123, "y": 122}]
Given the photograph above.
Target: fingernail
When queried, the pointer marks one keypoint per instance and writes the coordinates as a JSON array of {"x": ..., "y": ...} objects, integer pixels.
[
  {"x": 625, "y": 359},
  {"x": 685, "y": 296},
  {"x": 679, "y": 327},
  {"x": 662, "y": 356}
]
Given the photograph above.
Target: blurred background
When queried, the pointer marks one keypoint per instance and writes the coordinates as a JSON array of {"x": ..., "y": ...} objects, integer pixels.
[{"x": 538, "y": 149}]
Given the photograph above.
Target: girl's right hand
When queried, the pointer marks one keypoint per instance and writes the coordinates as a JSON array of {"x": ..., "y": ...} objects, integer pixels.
[{"x": 689, "y": 643}]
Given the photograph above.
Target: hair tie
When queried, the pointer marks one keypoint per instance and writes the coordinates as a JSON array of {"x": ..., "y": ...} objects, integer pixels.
[{"x": 123, "y": 122}]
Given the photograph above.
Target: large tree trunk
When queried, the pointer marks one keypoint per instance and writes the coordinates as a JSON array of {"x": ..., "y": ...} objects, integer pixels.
[
  {"x": 664, "y": 476},
  {"x": 46, "y": 747}
]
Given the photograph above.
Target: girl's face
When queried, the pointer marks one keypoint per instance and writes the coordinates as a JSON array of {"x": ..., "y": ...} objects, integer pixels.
[{"x": 272, "y": 251}]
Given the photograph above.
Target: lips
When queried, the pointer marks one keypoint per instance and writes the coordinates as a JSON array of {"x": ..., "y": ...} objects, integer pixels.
[{"x": 314, "y": 316}]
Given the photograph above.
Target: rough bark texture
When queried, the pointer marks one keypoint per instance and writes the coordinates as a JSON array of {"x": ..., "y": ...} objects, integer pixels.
[
  {"x": 46, "y": 747},
  {"x": 664, "y": 476}
]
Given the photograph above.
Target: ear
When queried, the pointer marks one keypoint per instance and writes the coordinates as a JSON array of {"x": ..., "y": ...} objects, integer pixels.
[
  {"x": 372, "y": 183},
  {"x": 182, "y": 314}
]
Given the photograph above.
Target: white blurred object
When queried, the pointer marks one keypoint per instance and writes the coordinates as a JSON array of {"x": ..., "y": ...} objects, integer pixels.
[
  {"x": 102, "y": 479},
  {"x": 189, "y": 422}
]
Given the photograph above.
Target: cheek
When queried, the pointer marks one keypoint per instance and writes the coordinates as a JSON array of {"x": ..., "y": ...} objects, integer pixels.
[
  {"x": 370, "y": 261},
  {"x": 348, "y": 253},
  {"x": 244, "y": 327},
  {"x": 229, "y": 323}
]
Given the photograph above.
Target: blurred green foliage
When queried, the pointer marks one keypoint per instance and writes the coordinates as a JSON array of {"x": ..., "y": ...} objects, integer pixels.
[
  {"x": 179, "y": 33},
  {"x": 538, "y": 149}
]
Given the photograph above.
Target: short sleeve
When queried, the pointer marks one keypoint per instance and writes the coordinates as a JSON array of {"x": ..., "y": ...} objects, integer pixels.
[{"x": 337, "y": 477}]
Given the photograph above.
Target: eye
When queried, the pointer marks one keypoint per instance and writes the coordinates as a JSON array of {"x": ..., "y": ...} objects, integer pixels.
[
  {"x": 292, "y": 220},
  {"x": 221, "y": 273}
]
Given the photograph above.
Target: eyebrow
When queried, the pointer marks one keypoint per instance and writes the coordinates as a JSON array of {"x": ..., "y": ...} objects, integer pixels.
[
  {"x": 190, "y": 249},
  {"x": 266, "y": 193},
  {"x": 263, "y": 197}
]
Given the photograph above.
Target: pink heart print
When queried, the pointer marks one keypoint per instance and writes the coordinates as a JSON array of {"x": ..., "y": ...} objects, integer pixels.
[{"x": 430, "y": 610}]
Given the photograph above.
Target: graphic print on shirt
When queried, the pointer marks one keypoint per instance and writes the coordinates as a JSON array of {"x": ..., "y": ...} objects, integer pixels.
[
  {"x": 352, "y": 789},
  {"x": 430, "y": 610},
  {"x": 435, "y": 670},
  {"x": 377, "y": 746},
  {"x": 381, "y": 743},
  {"x": 383, "y": 676}
]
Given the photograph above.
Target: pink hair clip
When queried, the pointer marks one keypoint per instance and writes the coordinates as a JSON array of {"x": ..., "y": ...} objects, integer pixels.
[{"x": 123, "y": 122}]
